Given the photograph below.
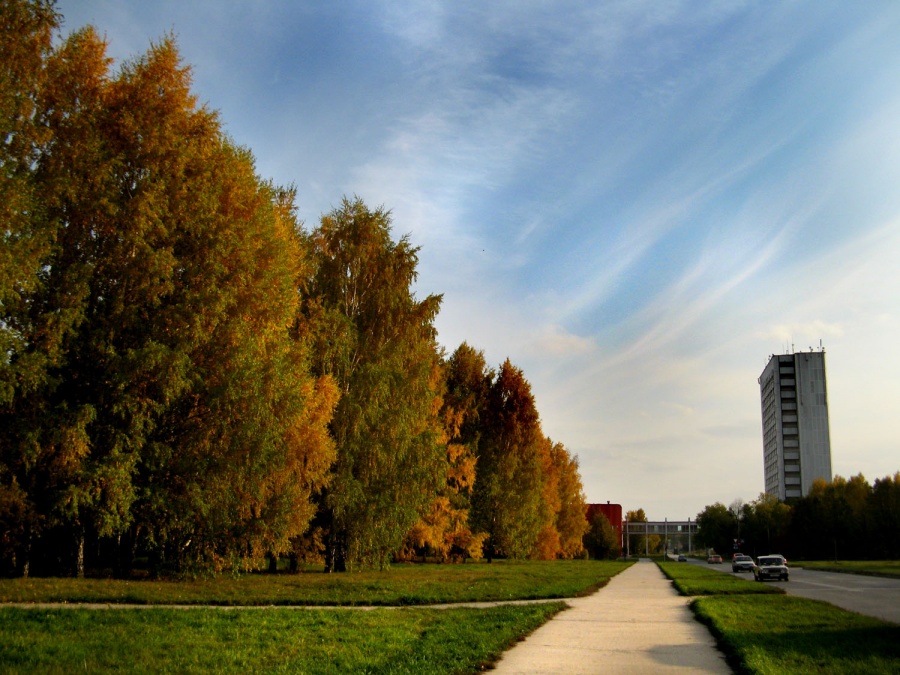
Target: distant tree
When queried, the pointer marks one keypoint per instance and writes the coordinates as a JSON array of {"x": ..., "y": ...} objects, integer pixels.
[
  {"x": 600, "y": 540},
  {"x": 571, "y": 523},
  {"x": 378, "y": 342},
  {"x": 883, "y": 518},
  {"x": 844, "y": 518},
  {"x": 767, "y": 526},
  {"x": 548, "y": 545},
  {"x": 717, "y": 528},
  {"x": 637, "y": 543}
]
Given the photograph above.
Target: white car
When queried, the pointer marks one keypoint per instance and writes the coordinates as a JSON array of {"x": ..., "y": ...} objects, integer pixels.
[
  {"x": 742, "y": 563},
  {"x": 771, "y": 567}
]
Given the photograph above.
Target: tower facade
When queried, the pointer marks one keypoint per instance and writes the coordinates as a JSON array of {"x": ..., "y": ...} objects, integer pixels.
[{"x": 796, "y": 437}]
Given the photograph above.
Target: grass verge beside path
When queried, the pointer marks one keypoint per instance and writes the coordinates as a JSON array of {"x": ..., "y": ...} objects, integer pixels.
[
  {"x": 874, "y": 568},
  {"x": 694, "y": 580},
  {"x": 263, "y": 639},
  {"x": 764, "y": 632},
  {"x": 787, "y": 635},
  {"x": 400, "y": 585}
]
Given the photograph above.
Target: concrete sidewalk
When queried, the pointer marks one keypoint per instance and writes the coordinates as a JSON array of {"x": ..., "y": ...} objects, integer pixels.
[{"x": 635, "y": 624}]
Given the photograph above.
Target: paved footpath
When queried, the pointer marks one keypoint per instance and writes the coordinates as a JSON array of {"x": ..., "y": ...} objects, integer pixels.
[{"x": 636, "y": 624}]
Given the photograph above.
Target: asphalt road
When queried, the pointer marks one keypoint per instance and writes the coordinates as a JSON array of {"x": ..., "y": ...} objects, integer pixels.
[{"x": 872, "y": 596}]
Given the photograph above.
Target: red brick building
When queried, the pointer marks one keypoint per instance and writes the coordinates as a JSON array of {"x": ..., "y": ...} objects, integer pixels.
[{"x": 613, "y": 513}]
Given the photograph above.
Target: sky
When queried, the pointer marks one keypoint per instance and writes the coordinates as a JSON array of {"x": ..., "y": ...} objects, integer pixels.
[{"x": 636, "y": 202}]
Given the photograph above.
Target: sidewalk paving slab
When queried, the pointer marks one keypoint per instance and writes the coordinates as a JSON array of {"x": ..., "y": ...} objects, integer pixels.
[{"x": 636, "y": 624}]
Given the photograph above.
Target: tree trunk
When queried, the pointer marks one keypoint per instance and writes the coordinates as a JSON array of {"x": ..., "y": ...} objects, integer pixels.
[
  {"x": 79, "y": 555},
  {"x": 335, "y": 552},
  {"x": 26, "y": 557}
]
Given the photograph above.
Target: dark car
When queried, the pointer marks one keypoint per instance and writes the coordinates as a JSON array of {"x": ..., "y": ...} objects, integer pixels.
[
  {"x": 771, "y": 567},
  {"x": 682, "y": 558},
  {"x": 742, "y": 563}
]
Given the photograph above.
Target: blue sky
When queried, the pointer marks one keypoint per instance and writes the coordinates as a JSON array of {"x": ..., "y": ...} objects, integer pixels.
[{"x": 636, "y": 202}]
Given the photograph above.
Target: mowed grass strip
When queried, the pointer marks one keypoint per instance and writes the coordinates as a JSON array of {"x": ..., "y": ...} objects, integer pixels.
[
  {"x": 409, "y": 640},
  {"x": 399, "y": 585},
  {"x": 788, "y": 635},
  {"x": 875, "y": 568},
  {"x": 695, "y": 580}
]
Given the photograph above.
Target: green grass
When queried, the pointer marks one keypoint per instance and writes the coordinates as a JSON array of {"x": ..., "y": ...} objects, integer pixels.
[
  {"x": 410, "y": 640},
  {"x": 788, "y": 635},
  {"x": 400, "y": 585},
  {"x": 875, "y": 568},
  {"x": 694, "y": 580},
  {"x": 281, "y": 639}
]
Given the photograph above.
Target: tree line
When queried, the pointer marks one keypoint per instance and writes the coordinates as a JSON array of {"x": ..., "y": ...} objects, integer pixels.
[
  {"x": 191, "y": 376},
  {"x": 846, "y": 519}
]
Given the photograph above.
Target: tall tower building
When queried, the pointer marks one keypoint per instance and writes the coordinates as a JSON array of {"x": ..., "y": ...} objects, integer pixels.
[{"x": 796, "y": 439}]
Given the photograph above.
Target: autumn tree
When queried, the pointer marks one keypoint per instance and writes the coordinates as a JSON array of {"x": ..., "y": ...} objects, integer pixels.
[
  {"x": 377, "y": 340},
  {"x": 28, "y": 337},
  {"x": 446, "y": 529},
  {"x": 563, "y": 504},
  {"x": 569, "y": 518},
  {"x": 548, "y": 544},
  {"x": 468, "y": 382},
  {"x": 507, "y": 499},
  {"x": 637, "y": 543},
  {"x": 169, "y": 402}
]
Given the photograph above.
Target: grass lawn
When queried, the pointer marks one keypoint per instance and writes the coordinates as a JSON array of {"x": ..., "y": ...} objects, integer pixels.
[
  {"x": 201, "y": 640},
  {"x": 875, "y": 568},
  {"x": 782, "y": 635},
  {"x": 694, "y": 580},
  {"x": 276, "y": 639},
  {"x": 399, "y": 585}
]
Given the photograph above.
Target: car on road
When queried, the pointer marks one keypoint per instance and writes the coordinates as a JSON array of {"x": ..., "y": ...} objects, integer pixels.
[
  {"x": 742, "y": 563},
  {"x": 682, "y": 558},
  {"x": 771, "y": 567},
  {"x": 714, "y": 560}
]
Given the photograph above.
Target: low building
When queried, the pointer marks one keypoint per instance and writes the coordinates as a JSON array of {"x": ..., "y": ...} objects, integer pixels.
[{"x": 613, "y": 513}]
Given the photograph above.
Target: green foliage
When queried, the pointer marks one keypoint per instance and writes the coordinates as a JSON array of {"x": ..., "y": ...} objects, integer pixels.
[
  {"x": 165, "y": 398},
  {"x": 271, "y": 640},
  {"x": 846, "y": 518},
  {"x": 507, "y": 494},
  {"x": 717, "y": 528},
  {"x": 188, "y": 375},
  {"x": 640, "y": 544},
  {"x": 377, "y": 341},
  {"x": 783, "y": 634},
  {"x": 601, "y": 540}
]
